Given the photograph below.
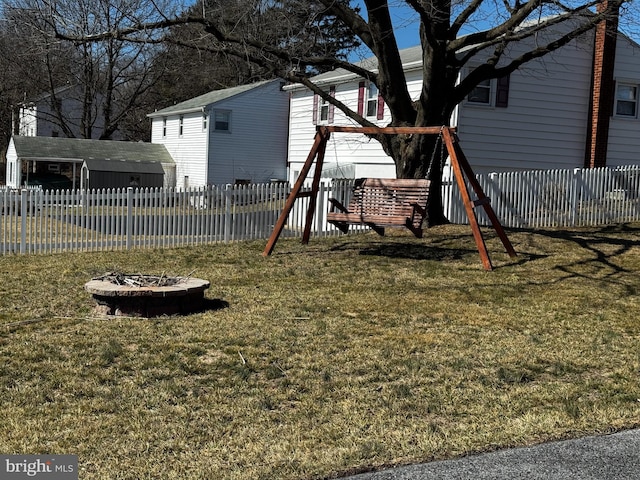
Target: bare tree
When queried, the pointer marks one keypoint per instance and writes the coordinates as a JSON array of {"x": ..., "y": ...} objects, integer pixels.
[
  {"x": 20, "y": 77},
  {"x": 193, "y": 63},
  {"x": 108, "y": 78},
  {"x": 445, "y": 52}
]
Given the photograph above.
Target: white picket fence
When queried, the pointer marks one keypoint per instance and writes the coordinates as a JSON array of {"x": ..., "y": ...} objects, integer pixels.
[
  {"x": 557, "y": 198},
  {"x": 34, "y": 221}
]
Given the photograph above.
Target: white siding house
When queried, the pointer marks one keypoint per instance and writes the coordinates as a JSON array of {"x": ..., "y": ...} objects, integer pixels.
[
  {"x": 236, "y": 135},
  {"x": 537, "y": 119}
]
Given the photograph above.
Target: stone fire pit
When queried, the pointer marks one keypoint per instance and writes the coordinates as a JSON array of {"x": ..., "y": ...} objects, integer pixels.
[{"x": 146, "y": 295}]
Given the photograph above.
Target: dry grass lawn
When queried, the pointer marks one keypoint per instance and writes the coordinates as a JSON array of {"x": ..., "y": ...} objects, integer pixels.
[{"x": 349, "y": 354}]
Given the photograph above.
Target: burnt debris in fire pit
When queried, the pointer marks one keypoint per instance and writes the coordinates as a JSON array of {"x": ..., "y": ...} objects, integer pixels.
[
  {"x": 139, "y": 295},
  {"x": 140, "y": 280}
]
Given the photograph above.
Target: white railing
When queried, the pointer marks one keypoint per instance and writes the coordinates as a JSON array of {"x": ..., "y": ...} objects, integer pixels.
[{"x": 36, "y": 221}]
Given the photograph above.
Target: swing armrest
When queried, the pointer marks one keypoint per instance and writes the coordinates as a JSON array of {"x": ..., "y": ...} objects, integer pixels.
[
  {"x": 419, "y": 209},
  {"x": 336, "y": 204},
  {"x": 418, "y": 214}
]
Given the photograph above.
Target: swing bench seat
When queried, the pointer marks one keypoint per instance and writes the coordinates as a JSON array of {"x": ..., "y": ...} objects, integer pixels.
[{"x": 383, "y": 202}]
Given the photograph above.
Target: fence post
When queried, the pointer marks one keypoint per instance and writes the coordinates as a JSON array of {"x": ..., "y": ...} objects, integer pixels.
[
  {"x": 575, "y": 195},
  {"x": 23, "y": 218},
  {"x": 321, "y": 208},
  {"x": 228, "y": 191},
  {"x": 129, "y": 223},
  {"x": 495, "y": 194}
]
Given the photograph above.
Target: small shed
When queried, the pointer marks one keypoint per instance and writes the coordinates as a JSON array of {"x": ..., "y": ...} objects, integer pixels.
[
  {"x": 108, "y": 173},
  {"x": 89, "y": 163}
]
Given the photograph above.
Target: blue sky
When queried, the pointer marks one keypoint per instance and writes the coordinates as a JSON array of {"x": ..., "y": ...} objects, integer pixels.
[{"x": 405, "y": 22}]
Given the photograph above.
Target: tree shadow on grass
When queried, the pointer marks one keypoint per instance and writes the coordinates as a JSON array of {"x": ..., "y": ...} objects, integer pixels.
[
  {"x": 416, "y": 252},
  {"x": 437, "y": 249},
  {"x": 606, "y": 244}
]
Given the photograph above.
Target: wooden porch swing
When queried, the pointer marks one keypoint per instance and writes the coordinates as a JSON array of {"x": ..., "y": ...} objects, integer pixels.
[{"x": 409, "y": 196}]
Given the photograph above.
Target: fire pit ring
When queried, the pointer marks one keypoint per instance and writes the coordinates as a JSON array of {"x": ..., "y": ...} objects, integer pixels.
[{"x": 146, "y": 295}]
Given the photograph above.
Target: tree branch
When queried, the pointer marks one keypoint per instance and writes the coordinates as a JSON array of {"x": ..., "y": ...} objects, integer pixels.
[{"x": 488, "y": 70}]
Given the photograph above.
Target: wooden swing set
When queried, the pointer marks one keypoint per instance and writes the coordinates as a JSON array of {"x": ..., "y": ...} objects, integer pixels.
[{"x": 379, "y": 203}]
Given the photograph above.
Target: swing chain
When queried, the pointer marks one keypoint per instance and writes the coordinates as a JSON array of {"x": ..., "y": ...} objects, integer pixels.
[{"x": 438, "y": 146}]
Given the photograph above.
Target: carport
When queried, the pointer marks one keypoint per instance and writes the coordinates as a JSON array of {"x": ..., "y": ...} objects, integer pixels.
[{"x": 90, "y": 163}]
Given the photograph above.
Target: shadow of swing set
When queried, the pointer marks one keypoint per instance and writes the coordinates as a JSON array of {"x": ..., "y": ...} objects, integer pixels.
[{"x": 380, "y": 203}]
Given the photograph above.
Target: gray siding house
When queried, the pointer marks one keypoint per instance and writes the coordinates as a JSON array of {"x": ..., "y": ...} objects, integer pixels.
[
  {"x": 39, "y": 117},
  {"x": 540, "y": 117}
]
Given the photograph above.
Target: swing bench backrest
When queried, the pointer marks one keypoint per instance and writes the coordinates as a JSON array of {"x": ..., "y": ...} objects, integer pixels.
[{"x": 380, "y": 203}]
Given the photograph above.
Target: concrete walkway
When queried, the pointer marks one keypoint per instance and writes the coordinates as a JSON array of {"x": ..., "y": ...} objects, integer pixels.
[{"x": 607, "y": 457}]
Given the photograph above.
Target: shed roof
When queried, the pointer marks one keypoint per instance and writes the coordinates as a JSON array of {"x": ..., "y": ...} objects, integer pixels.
[
  {"x": 125, "y": 166},
  {"x": 198, "y": 103},
  {"x": 79, "y": 150}
]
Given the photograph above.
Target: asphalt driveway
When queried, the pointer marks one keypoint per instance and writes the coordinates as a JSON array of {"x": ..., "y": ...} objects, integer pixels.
[{"x": 606, "y": 457}]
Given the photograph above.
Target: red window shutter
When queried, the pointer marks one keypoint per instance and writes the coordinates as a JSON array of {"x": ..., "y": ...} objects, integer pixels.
[
  {"x": 380, "y": 113},
  {"x": 361, "y": 89},
  {"x": 315, "y": 109},
  {"x": 502, "y": 92},
  {"x": 332, "y": 107}
]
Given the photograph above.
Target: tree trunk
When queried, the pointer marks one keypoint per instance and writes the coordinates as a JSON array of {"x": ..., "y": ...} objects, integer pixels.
[{"x": 421, "y": 156}]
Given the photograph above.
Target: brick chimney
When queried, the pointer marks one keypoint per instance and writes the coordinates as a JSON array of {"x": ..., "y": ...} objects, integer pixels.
[{"x": 602, "y": 88}]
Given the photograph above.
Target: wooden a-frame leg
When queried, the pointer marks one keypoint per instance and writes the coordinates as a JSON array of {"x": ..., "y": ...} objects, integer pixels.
[
  {"x": 315, "y": 186},
  {"x": 466, "y": 199},
  {"x": 493, "y": 218},
  {"x": 321, "y": 139}
]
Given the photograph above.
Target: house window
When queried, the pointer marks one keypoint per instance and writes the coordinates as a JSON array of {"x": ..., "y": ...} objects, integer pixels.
[
  {"x": 492, "y": 92},
  {"x": 372, "y": 100},
  {"x": 181, "y": 125},
  {"x": 481, "y": 94},
  {"x": 626, "y": 100},
  {"x": 323, "y": 110},
  {"x": 221, "y": 120},
  {"x": 164, "y": 127}
]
